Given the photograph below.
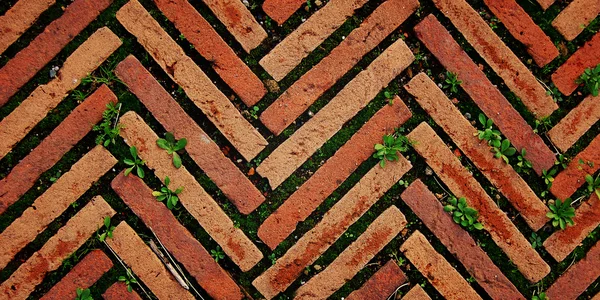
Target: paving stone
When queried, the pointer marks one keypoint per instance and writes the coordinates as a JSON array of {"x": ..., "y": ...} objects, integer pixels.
[
  {"x": 15, "y": 21},
  {"x": 281, "y": 10},
  {"x": 355, "y": 257},
  {"x": 436, "y": 268},
  {"x": 575, "y": 17},
  {"x": 382, "y": 284},
  {"x": 118, "y": 291},
  {"x": 578, "y": 277},
  {"x": 545, "y": 3},
  {"x": 573, "y": 177},
  {"x": 416, "y": 293},
  {"x": 588, "y": 56},
  {"x": 577, "y": 122},
  {"x": 332, "y": 174}
]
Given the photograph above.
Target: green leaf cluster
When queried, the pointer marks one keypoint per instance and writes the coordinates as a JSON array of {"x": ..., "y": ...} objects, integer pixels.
[
  {"x": 172, "y": 145},
  {"x": 593, "y": 184},
  {"x": 135, "y": 163},
  {"x": 84, "y": 294},
  {"x": 392, "y": 144},
  {"x": 561, "y": 213},
  {"x": 109, "y": 230},
  {"x": 523, "y": 165},
  {"x": 488, "y": 133},
  {"x": 463, "y": 214},
  {"x": 452, "y": 82},
  {"x": 217, "y": 254},
  {"x": 166, "y": 194},
  {"x": 129, "y": 280},
  {"x": 591, "y": 80},
  {"x": 503, "y": 150},
  {"x": 107, "y": 132}
]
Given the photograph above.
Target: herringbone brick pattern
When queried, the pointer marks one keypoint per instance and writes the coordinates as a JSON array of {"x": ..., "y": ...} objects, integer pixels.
[{"x": 281, "y": 103}]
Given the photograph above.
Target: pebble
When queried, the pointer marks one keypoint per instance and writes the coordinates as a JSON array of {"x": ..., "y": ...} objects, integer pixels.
[
  {"x": 468, "y": 116},
  {"x": 53, "y": 71},
  {"x": 428, "y": 171}
]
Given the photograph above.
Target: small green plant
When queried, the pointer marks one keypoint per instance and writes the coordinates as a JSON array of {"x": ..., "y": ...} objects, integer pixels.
[
  {"x": 84, "y": 294},
  {"x": 109, "y": 230},
  {"x": 540, "y": 296},
  {"x": 562, "y": 161},
  {"x": 488, "y": 133},
  {"x": 536, "y": 240},
  {"x": 172, "y": 145},
  {"x": 272, "y": 258},
  {"x": 523, "y": 165},
  {"x": 254, "y": 112},
  {"x": 136, "y": 163},
  {"x": 593, "y": 184},
  {"x": 217, "y": 254},
  {"x": 504, "y": 150},
  {"x": 106, "y": 76},
  {"x": 561, "y": 213},
  {"x": 591, "y": 79},
  {"x": 129, "y": 280},
  {"x": 389, "y": 96},
  {"x": 463, "y": 214},
  {"x": 392, "y": 144},
  {"x": 452, "y": 82},
  {"x": 548, "y": 177},
  {"x": 166, "y": 194},
  {"x": 108, "y": 129}
]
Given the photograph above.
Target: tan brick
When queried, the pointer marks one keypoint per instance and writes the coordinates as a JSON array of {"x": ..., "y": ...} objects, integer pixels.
[
  {"x": 573, "y": 177},
  {"x": 44, "y": 98},
  {"x": 19, "y": 18},
  {"x": 194, "y": 198},
  {"x": 576, "y": 123},
  {"x": 436, "y": 268},
  {"x": 575, "y": 17},
  {"x": 58, "y": 248},
  {"x": 462, "y": 184},
  {"x": 500, "y": 58},
  {"x": 144, "y": 264},
  {"x": 347, "y": 103},
  {"x": 300, "y": 43},
  {"x": 199, "y": 88},
  {"x": 578, "y": 277},
  {"x": 333, "y": 224},
  {"x": 416, "y": 293},
  {"x": 355, "y": 257},
  {"x": 66, "y": 190},
  {"x": 500, "y": 174},
  {"x": 382, "y": 284}
]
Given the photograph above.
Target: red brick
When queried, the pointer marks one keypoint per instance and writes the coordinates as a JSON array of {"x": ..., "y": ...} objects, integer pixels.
[
  {"x": 576, "y": 123},
  {"x": 416, "y": 293},
  {"x": 62, "y": 139},
  {"x": 82, "y": 276},
  {"x": 330, "y": 176},
  {"x": 239, "y": 21},
  {"x": 52, "y": 203},
  {"x": 304, "y": 92},
  {"x": 458, "y": 242},
  {"x": 329, "y": 120},
  {"x": 570, "y": 179},
  {"x": 575, "y": 17},
  {"x": 194, "y": 198},
  {"x": 578, "y": 277},
  {"x": 489, "y": 99},
  {"x": 207, "y": 154},
  {"x": 355, "y": 257},
  {"x": 333, "y": 224},
  {"x": 281, "y": 10},
  {"x": 436, "y": 268},
  {"x": 382, "y": 284},
  {"x": 500, "y": 58},
  {"x": 300, "y": 43},
  {"x": 462, "y": 184},
  {"x": 21, "y": 68},
  {"x": 177, "y": 240},
  {"x": 522, "y": 28},
  {"x": 19, "y": 18},
  {"x": 545, "y": 3},
  {"x": 198, "y": 87},
  {"x": 588, "y": 56},
  {"x": 58, "y": 248},
  {"x": 587, "y": 218},
  {"x": 144, "y": 264},
  {"x": 46, "y": 97},
  {"x": 118, "y": 291},
  {"x": 499, "y": 173},
  {"x": 214, "y": 49}
]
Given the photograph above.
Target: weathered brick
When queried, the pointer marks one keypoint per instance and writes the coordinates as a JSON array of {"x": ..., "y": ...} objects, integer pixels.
[
  {"x": 436, "y": 268},
  {"x": 194, "y": 198},
  {"x": 58, "y": 248},
  {"x": 19, "y": 18},
  {"x": 416, "y": 293},
  {"x": 21, "y": 68},
  {"x": 355, "y": 96},
  {"x": 300, "y": 43},
  {"x": 545, "y": 3},
  {"x": 304, "y": 92},
  {"x": 578, "y": 277},
  {"x": 458, "y": 242},
  {"x": 499, "y": 173},
  {"x": 330, "y": 176},
  {"x": 118, "y": 291},
  {"x": 522, "y": 27},
  {"x": 199, "y": 88},
  {"x": 46, "y": 97},
  {"x": 179, "y": 242},
  {"x": 212, "y": 47},
  {"x": 489, "y": 99},
  {"x": 587, "y": 218},
  {"x": 575, "y": 17},
  {"x": 577, "y": 122},
  {"x": 52, "y": 203},
  {"x": 62, "y": 139},
  {"x": 462, "y": 184},
  {"x": 588, "y": 56},
  {"x": 239, "y": 21},
  {"x": 333, "y": 224},
  {"x": 570, "y": 179},
  {"x": 281, "y": 10},
  {"x": 355, "y": 257},
  {"x": 382, "y": 284},
  {"x": 207, "y": 154},
  {"x": 144, "y": 264},
  {"x": 82, "y": 276}
]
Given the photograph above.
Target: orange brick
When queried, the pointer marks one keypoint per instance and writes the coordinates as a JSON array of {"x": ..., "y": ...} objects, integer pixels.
[
  {"x": 577, "y": 122},
  {"x": 588, "y": 56},
  {"x": 281, "y": 10},
  {"x": 118, "y": 291},
  {"x": 575, "y": 17},
  {"x": 416, "y": 293},
  {"x": 382, "y": 284},
  {"x": 19, "y": 18},
  {"x": 578, "y": 277},
  {"x": 571, "y": 178}
]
